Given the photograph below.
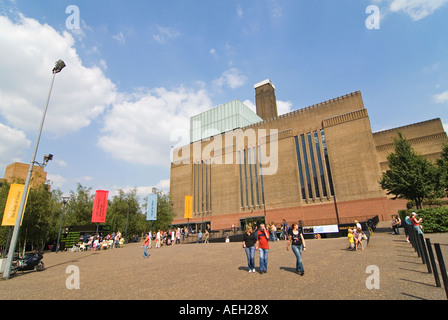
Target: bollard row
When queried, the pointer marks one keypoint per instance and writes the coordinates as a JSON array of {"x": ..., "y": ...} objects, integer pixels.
[{"x": 423, "y": 247}]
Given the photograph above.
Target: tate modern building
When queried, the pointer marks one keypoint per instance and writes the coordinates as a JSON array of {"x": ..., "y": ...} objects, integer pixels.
[{"x": 320, "y": 165}]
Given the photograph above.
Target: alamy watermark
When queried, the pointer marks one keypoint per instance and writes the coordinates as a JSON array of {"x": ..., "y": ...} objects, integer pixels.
[
  {"x": 73, "y": 280},
  {"x": 219, "y": 148},
  {"x": 73, "y": 20},
  {"x": 373, "y": 20},
  {"x": 373, "y": 280}
]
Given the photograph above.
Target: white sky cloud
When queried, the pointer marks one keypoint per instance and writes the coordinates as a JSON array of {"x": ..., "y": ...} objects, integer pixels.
[
  {"x": 417, "y": 9},
  {"x": 441, "y": 97},
  {"x": 232, "y": 78},
  {"x": 27, "y": 56},
  {"x": 139, "y": 128},
  {"x": 13, "y": 142},
  {"x": 283, "y": 107},
  {"x": 162, "y": 34},
  {"x": 119, "y": 37},
  {"x": 57, "y": 181}
]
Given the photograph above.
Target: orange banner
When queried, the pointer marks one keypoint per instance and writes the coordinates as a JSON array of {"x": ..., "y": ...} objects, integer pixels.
[
  {"x": 100, "y": 206},
  {"x": 188, "y": 213},
  {"x": 12, "y": 205}
]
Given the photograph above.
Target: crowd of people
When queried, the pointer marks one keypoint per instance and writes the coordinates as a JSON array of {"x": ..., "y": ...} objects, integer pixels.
[{"x": 98, "y": 242}]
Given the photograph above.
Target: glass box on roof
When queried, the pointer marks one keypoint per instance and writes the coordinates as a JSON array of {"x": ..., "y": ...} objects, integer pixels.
[{"x": 223, "y": 118}]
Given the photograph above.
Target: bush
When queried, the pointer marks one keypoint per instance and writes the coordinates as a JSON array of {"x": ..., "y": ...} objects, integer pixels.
[{"x": 435, "y": 220}]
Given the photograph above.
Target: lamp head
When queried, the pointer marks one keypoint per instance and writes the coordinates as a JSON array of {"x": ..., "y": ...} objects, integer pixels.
[
  {"x": 47, "y": 158},
  {"x": 58, "y": 66}
]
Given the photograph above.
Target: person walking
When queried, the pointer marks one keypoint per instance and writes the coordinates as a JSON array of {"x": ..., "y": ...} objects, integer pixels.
[
  {"x": 297, "y": 243},
  {"x": 249, "y": 240},
  {"x": 358, "y": 239},
  {"x": 145, "y": 246},
  {"x": 285, "y": 229},
  {"x": 158, "y": 238},
  {"x": 262, "y": 245}
]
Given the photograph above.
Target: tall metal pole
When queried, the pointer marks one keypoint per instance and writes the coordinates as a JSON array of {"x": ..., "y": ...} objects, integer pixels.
[
  {"x": 127, "y": 222},
  {"x": 15, "y": 234},
  {"x": 64, "y": 200}
]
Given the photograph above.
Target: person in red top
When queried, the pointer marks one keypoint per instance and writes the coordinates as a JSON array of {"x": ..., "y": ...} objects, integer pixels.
[
  {"x": 145, "y": 247},
  {"x": 416, "y": 223},
  {"x": 263, "y": 247}
]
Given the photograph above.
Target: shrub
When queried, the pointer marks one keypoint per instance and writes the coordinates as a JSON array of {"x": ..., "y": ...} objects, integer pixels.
[{"x": 435, "y": 220}]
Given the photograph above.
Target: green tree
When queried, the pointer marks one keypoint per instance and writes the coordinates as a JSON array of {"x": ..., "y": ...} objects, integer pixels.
[
  {"x": 38, "y": 217},
  {"x": 411, "y": 176},
  {"x": 442, "y": 164},
  {"x": 124, "y": 209},
  {"x": 79, "y": 207},
  {"x": 4, "y": 190}
]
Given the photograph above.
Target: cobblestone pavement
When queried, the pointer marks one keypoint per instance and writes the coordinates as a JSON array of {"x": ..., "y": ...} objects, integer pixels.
[{"x": 218, "y": 271}]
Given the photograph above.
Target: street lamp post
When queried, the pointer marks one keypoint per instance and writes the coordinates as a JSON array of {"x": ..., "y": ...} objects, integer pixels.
[
  {"x": 64, "y": 202},
  {"x": 57, "y": 68}
]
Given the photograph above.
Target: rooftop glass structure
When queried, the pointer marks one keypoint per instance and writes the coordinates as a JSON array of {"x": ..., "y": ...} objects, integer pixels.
[{"x": 223, "y": 118}]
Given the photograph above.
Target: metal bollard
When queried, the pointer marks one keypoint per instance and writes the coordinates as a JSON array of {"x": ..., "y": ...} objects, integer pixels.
[
  {"x": 425, "y": 257},
  {"x": 442, "y": 267},
  {"x": 410, "y": 232},
  {"x": 433, "y": 262}
]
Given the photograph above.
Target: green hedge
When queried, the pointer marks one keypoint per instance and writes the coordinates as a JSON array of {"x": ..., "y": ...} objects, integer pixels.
[{"x": 435, "y": 220}]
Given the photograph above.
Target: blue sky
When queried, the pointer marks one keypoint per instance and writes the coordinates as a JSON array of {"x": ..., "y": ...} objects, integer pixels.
[{"x": 137, "y": 70}]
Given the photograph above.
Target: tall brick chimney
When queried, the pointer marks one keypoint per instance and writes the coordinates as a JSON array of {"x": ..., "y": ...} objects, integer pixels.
[{"x": 265, "y": 100}]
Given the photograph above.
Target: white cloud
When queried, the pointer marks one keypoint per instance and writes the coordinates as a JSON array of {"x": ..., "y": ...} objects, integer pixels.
[
  {"x": 57, "y": 181},
  {"x": 283, "y": 107},
  {"x": 162, "y": 34},
  {"x": 138, "y": 129},
  {"x": 142, "y": 191},
  {"x": 231, "y": 78},
  {"x": 119, "y": 38},
  {"x": 13, "y": 142},
  {"x": 239, "y": 11},
  {"x": 60, "y": 163},
  {"x": 29, "y": 51},
  {"x": 417, "y": 9},
  {"x": 213, "y": 52},
  {"x": 441, "y": 97},
  {"x": 84, "y": 179}
]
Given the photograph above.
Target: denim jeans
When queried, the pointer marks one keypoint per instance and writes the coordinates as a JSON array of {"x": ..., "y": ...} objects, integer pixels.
[
  {"x": 250, "y": 253},
  {"x": 298, "y": 252},
  {"x": 263, "y": 259},
  {"x": 418, "y": 229},
  {"x": 145, "y": 252}
]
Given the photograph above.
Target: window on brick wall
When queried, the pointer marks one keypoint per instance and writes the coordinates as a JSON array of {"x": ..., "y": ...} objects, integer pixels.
[{"x": 314, "y": 165}]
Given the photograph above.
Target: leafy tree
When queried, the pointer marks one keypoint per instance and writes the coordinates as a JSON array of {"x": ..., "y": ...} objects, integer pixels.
[
  {"x": 124, "y": 210},
  {"x": 79, "y": 207},
  {"x": 4, "y": 190},
  {"x": 411, "y": 176},
  {"x": 442, "y": 164},
  {"x": 37, "y": 220}
]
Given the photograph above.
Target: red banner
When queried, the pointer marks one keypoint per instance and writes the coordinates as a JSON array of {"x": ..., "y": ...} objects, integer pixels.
[{"x": 100, "y": 206}]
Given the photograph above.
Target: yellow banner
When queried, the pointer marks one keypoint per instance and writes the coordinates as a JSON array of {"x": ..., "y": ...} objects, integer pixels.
[
  {"x": 188, "y": 214},
  {"x": 12, "y": 205}
]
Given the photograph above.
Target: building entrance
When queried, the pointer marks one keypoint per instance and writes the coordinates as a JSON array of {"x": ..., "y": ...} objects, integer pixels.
[{"x": 244, "y": 222}]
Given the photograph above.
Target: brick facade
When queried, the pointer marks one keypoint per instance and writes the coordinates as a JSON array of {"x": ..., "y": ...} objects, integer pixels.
[{"x": 324, "y": 164}]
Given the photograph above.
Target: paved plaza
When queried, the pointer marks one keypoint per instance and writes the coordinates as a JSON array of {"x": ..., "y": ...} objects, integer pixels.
[{"x": 218, "y": 271}]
